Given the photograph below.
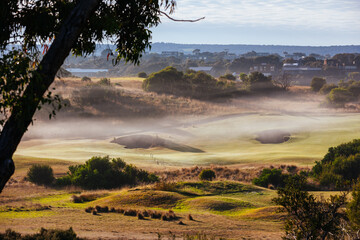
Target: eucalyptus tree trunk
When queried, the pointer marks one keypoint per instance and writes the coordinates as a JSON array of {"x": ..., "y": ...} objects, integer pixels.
[{"x": 21, "y": 116}]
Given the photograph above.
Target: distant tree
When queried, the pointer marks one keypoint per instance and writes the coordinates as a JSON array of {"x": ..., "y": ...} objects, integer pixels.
[
  {"x": 243, "y": 77},
  {"x": 142, "y": 75},
  {"x": 257, "y": 81},
  {"x": 308, "y": 217},
  {"x": 40, "y": 174},
  {"x": 207, "y": 175},
  {"x": 284, "y": 81},
  {"x": 317, "y": 83}
]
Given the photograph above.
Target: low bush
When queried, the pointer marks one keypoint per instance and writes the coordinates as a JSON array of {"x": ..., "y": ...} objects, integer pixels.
[
  {"x": 207, "y": 175},
  {"x": 339, "y": 96},
  {"x": 269, "y": 177},
  {"x": 142, "y": 75},
  {"x": 105, "y": 173},
  {"x": 228, "y": 76},
  {"x": 317, "y": 83},
  {"x": 53, "y": 234},
  {"x": 85, "y": 79},
  {"x": 40, "y": 174}
]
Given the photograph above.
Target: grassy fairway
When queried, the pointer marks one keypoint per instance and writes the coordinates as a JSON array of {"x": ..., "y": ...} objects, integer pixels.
[{"x": 224, "y": 140}]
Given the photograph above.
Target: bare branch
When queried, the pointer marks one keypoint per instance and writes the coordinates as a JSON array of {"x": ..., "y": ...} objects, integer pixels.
[{"x": 180, "y": 20}]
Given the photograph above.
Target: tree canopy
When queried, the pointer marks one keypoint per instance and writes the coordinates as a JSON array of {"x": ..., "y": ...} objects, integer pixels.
[{"x": 40, "y": 34}]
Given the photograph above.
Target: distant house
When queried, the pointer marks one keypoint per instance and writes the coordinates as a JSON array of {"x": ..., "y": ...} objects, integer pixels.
[
  {"x": 171, "y": 54},
  {"x": 265, "y": 68}
]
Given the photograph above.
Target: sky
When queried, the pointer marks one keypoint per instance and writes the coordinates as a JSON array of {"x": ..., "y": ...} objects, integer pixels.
[{"x": 264, "y": 22}]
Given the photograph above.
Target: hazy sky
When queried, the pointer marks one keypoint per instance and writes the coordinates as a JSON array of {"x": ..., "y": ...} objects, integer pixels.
[{"x": 285, "y": 22}]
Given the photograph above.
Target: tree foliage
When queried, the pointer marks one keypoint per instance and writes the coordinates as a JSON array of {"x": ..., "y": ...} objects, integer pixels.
[
  {"x": 273, "y": 177},
  {"x": 105, "y": 173},
  {"x": 340, "y": 165},
  {"x": 40, "y": 174},
  {"x": 309, "y": 217}
]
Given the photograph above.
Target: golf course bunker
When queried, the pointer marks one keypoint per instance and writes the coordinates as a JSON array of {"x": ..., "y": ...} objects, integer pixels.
[
  {"x": 148, "y": 141},
  {"x": 274, "y": 136}
]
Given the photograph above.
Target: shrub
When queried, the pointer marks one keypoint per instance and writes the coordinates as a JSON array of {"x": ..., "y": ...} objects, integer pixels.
[
  {"x": 327, "y": 88},
  {"x": 269, "y": 177},
  {"x": 53, "y": 234},
  {"x": 192, "y": 84},
  {"x": 339, "y": 96},
  {"x": 103, "y": 172},
  {"x": 353, "y": 208},
  {"x": 228, "y": 76},
  {"x": 142, "y": 75},
  {"x": 40, "y": 174},
  {"x": 104, "y": 82},
  {"x": 207, "y": 175},
  {"x": 309, "y": 217},
  {"x": 339, "y": 166},
  {"x": 257, "y": 82},
  {"x": 85, "y": 79},
  {"x": 317, "y": 83}
]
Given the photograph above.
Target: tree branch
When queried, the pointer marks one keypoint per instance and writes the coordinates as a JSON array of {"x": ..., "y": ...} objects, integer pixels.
[{"x": 180, "y": 20}]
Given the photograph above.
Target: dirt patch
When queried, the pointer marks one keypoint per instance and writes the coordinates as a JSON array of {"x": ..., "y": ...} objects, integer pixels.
[
  {"x": 148, "y": 141},
  {"x": 274, "y": 136}
]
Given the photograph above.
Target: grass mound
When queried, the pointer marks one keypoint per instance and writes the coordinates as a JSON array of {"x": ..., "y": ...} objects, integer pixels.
[
  {"x": 214, "y": 188},
  {"x": 142, "y": 198},
  {"x": 271, "y": 213},
  {"x": 219, "y": 204}
]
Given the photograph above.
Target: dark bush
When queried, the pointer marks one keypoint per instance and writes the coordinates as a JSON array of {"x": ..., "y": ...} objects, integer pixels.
[
  {"x": 106, "y": 173},
  {"x": 85, "y": 79},
  {"x": 273, "y": 177},
  {"x": 192, "y": 84},
  {"x": 40, "y": 174},
  {"x": 53, "y": 234},
  {"x": 207, "y": 175},
  {"x": 317, "y": 83},
  {"x": 142, "y": 75},
  {"x": 340, "y": 166},
  {"x": 228, "y": 76}
]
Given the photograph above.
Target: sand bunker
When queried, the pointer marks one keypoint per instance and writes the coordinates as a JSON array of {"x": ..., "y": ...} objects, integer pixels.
[
  {"x": 147, "y": 141},
  {"x": 274, "y": 136}
]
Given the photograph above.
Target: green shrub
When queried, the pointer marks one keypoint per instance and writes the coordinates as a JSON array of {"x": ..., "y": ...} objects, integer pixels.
[
  {"x": 142, "y": 75},
  {"x": 85, "y": 79},
  {"x": 104, "y": 82},
  {"x": 192, "y": 84},
  {"x": 269, "y": 177},
  {"x": 327, "y": 88},
  {"x": 207, "y": 175},
  {"x": 339, "y": 96},
  {"x": 228, "y": 76},
  {"x": 257, "y": 82},
  {"x": 317, "y": 83},
  {"x": 353, "y": 208},
  {"x": 340, "y": 165},
  {"x": 105, "y": 173},
  {"x": 40, "y": 174}
]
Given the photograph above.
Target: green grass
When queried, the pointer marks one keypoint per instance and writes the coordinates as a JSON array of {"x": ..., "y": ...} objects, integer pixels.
[
  {"x": 224, "y": 141},
  {"x": 24, "y": 214},
  {"x": 59, "y": 200}
]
